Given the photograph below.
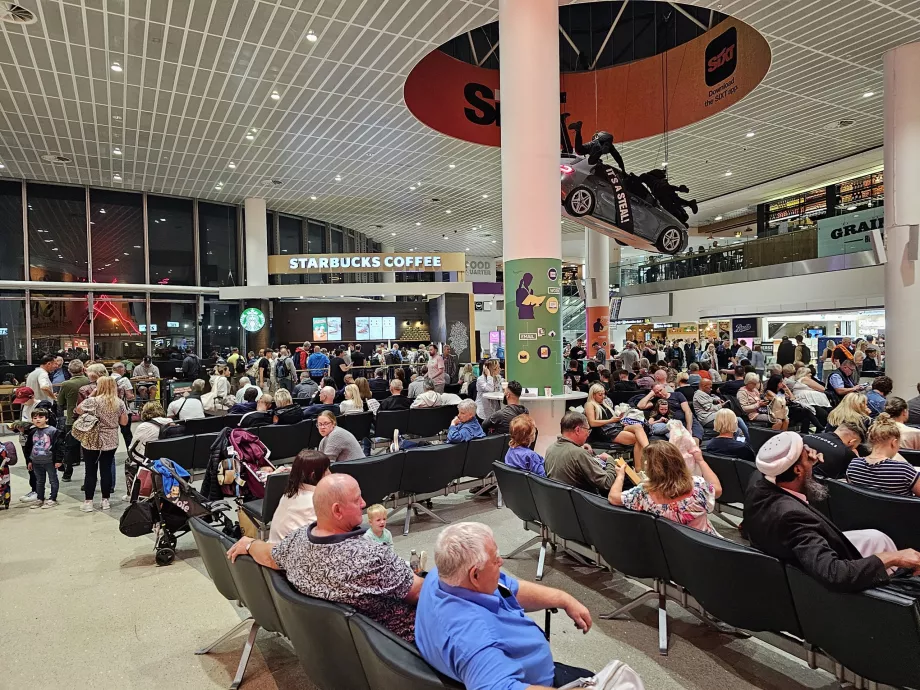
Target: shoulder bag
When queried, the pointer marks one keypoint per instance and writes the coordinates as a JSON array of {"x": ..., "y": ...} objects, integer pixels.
[{"x": 86, "y": 430}]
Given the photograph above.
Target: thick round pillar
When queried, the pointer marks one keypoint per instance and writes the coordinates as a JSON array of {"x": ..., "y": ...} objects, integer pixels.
[
  {"x": 256, "y": 239},
  {"x": 532, "y": 248},
  {"x": 388, "y": 276},
  {"x": 902, "y": 216},
  {"x": 597, "y": 292}
]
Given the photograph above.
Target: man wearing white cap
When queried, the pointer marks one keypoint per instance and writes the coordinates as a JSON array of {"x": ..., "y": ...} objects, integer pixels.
[{"x": 780, "y": 522}]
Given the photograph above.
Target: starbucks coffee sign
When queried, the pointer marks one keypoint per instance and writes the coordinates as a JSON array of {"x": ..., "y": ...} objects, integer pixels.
[{"x": 366, "y": 263}]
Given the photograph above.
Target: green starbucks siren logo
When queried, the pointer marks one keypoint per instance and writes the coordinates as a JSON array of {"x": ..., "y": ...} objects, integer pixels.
[{"x": 252, "y": 319}]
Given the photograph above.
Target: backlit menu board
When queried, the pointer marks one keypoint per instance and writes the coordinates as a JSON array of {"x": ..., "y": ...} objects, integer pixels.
[
  {"x": 376, "y": 327},
  {"x": 389, "y": 328},
  {"x": 320, "y": 329},
  {"x": 334, "y": 327},
  {"x": 362, "y": 328}
]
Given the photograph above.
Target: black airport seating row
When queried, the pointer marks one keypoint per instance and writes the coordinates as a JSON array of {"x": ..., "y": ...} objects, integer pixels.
[
  {"x": 406, "y": 478},
  {"x": 286, "y": 440},
  {"x": 849, "y": 507},
  {"x": 875, "y": 634},
  {"x": 336, "y": 646}
]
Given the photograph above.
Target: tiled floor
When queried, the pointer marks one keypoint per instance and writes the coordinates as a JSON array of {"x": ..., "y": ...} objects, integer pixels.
[{"x": 85, "y": 607}]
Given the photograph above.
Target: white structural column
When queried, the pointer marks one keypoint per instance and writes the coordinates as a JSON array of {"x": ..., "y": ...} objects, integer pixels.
[
  {"x": 532, "y": 248},
  {"x": 902, "y": 216},
  {"x": 530, "y": 128},
  {"x": 597, "y": 292},
  {"x": 388, "y": 276},
  {"x": 256, "y": 243}
]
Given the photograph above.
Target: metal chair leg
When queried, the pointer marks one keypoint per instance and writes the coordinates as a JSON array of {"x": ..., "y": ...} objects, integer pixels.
[
  {"x": 542, "y": 559},
  {"x": 408, "y": 519},
  {"x": 501, "y": 501},
  {"x": 227, "y": 635},
  {"x": 523, "y": 547},
  {"x": 626, "y": 608},
  {"x": 244, "y": 658},
  {"x": 662, "y": 623},
  {"x": 419, "y": 506}
]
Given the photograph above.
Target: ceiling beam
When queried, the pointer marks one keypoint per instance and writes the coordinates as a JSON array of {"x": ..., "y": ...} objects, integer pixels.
[
  {"x": 689, "y": 16},
  {"x": 487, "y": 55},
  {"x": 469, "y": 35},
  {"x": 609, "y": 34},
  {"x": 569, "y": 40}
]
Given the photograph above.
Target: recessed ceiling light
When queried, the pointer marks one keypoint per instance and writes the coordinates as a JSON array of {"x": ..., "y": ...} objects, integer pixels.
[
  {"x": 417, "y": 224},
  {"x": 338, "y": 178},
  {"x": 231, "y": 165},
  {"x": 117, "y": 178},
  {"x": 749, "y": 135},
  {"x": 451, "y": 166},
  {"x": 116, "y": 67},
  {"x": 218, "y": 186},
  {"x": 126, "y": 253},
  {"x": 116, "y": 151},
  {"x": 718, "y": 218},
  {"x": 868, "y": 94},
  {"x": 467, "y": 249},
  {"x": 412, "y": 188},
  {"x": 312, "y": 37},
  {"x": 162, "y": 220},
  {"x": 116, "y": 117},
  {"x": 728, "y": 173},
  {"x": 102, "y": 210},
  {"x": 312, "y": 198},
  {"x": 276, "y": 96},
  {"x": 54, "y": 249},
  {"x": 447, "y": 211},
  {"x": 418, "y": 184},
  {"x": 250, "y": 137},
  {"x": 664, "y": 164},
  {"x": 137, "y": 246},
  {"x": 393, "y": 234},
  {"x": 494, "y": 241},
  {"x": 443, "y": 237},
  {"x": 485, "y": 196}
]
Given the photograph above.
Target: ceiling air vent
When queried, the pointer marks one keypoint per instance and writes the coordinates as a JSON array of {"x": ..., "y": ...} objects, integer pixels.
[
  {"x": 56, "y": 158},
  {"x": 12, "y": 13},
  {"x": 272, "y": 182},
  {"x": 840, "y": 124}
]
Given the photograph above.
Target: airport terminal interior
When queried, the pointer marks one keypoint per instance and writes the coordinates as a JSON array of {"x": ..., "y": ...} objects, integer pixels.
[{"x": 485, "y": 344}]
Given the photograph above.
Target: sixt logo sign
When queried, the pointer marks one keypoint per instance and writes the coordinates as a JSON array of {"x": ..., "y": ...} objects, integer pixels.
[
  {"x": 721, "y": 57},
  {"x": 485, "y": 104}
]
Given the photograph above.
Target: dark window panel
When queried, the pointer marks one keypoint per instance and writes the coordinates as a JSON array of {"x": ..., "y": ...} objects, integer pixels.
[
  {"x": 221, "y": 328},
  {"x": 11, "y": 267},
  {"x": 175, "y": 329},
  {"x": 13, "y": 330},
  {"x": 117, "y": 235},
  {"x": 171, "y": 234},
  {"x": 57, "y": 233},
  {"x": 217, "y": 237},
  {"x": 59, "y": 324},
  {"x": 120, "y": 323},
  {"x": 290, "y": 236}
]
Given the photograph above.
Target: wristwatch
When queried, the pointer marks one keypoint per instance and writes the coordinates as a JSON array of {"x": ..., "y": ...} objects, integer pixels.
[{"x": 249, "y": 545}]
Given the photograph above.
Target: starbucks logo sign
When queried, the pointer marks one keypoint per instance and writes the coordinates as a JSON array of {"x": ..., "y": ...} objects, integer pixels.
[{"x": 252, "y": 319}]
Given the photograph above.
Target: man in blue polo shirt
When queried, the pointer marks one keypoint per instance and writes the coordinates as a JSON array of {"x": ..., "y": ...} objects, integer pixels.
[{"x": 471, "y": 625}]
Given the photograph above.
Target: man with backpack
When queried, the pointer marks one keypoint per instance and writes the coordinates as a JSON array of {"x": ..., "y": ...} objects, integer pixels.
[
  {"x": 802, "y": 351},
  {"x": 285, "y": 371},
  {"x": 191, "y": 367}
]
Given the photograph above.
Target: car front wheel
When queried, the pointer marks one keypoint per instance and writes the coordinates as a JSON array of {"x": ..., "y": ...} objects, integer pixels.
[
  {"x": 671, "y": 241},
  {"x": 580, "y": 202}
]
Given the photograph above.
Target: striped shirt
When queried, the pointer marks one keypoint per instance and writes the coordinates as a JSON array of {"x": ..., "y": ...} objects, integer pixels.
[{"x": 889, "y": 476}]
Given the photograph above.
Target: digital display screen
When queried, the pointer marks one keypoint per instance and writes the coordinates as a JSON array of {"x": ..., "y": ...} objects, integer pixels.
[
  {"x": 362, "y": 328},
  {"x": 334, "y": 327},
  {"x": 389, "y": 328},
  {"x": 320, "y": 329},
  {"x": 376, "y": 327}
]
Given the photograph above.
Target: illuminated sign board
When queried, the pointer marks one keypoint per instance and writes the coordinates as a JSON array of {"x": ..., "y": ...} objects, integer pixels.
[{"x": 366, "y": 263}]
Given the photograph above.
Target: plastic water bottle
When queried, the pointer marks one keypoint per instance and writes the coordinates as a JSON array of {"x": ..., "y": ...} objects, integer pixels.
[{"x": 414, "y": 561}]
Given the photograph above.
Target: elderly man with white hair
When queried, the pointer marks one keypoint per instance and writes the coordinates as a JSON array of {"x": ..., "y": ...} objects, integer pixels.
[
  {"x": 465, "y": 426},
  {"x": 429, "y": 398},
  {"x": 471, "y": 624},
  {"x": 245, "y": 383}
]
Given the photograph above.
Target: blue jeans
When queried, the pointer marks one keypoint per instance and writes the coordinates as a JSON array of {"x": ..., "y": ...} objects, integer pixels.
[
  {"x": 742, "y": 427},
  {"x": 659, "y": 429},
  {"x": 41, "y": 472}
]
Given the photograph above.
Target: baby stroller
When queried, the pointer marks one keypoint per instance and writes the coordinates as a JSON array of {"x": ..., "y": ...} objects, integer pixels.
[
  {"x": 162, "y": 501},
  {"x": 244, "y": 468}
]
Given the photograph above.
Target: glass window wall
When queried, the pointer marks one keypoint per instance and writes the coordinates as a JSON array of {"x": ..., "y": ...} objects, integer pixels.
[
  {"x": 217, "y": 233},
  {"x": 221, "y": 328},
  {"x": 290, "y": 241},
  {"x": 57, "y": 233},
  {"x": 171, "y": 234},
  {"x": 120, "y": 327},
  {"x": 12, "y": 328},
  {"x": 12, "y": 265},
  {"x": 117, "y": 234},
  {"x": 60, "y": 323},
  {"x": 173, "y": 327},
  {"x": 316, "y": 244}
]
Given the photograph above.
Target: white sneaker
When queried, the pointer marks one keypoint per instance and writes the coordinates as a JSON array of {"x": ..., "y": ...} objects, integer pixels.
[
  {"x": 126, "y": 498},
  {"x": 36, "y": 504},
  {"x": 105, "y": 504},
  {"x": 29, "y": 497},
  {"x": 87, "y": 507},
  {"x": 49, "y": 504}
]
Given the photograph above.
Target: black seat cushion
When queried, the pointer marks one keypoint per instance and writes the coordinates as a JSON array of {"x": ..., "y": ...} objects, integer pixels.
[
  {"x": 855, "y": 507},
  {"x": 554, "y": 503},
  {"x": 738, "y": 584},
  {"x": 254, "y": 590},
  {"x": 213, "y": 546},
  {"x": 482, "y": 452},
  {"x": 724, "y": 468},
  {"x": 431, "y": 468},
  {"x": 516, "y": 493},
  {"x": 378, "y": 476}
]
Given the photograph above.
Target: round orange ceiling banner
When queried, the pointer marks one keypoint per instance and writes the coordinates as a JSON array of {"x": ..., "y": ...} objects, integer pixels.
[{"x": 704, "y": 76}]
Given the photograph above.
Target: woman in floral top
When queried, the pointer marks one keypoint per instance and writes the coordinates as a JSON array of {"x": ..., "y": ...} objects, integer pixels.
[
  {"x": 670, "y": 491},
  {"x": 112, "y": 414}
]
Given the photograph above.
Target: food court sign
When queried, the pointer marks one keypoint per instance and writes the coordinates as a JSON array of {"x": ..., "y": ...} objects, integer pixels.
[{"x": 366, "y": 263}]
